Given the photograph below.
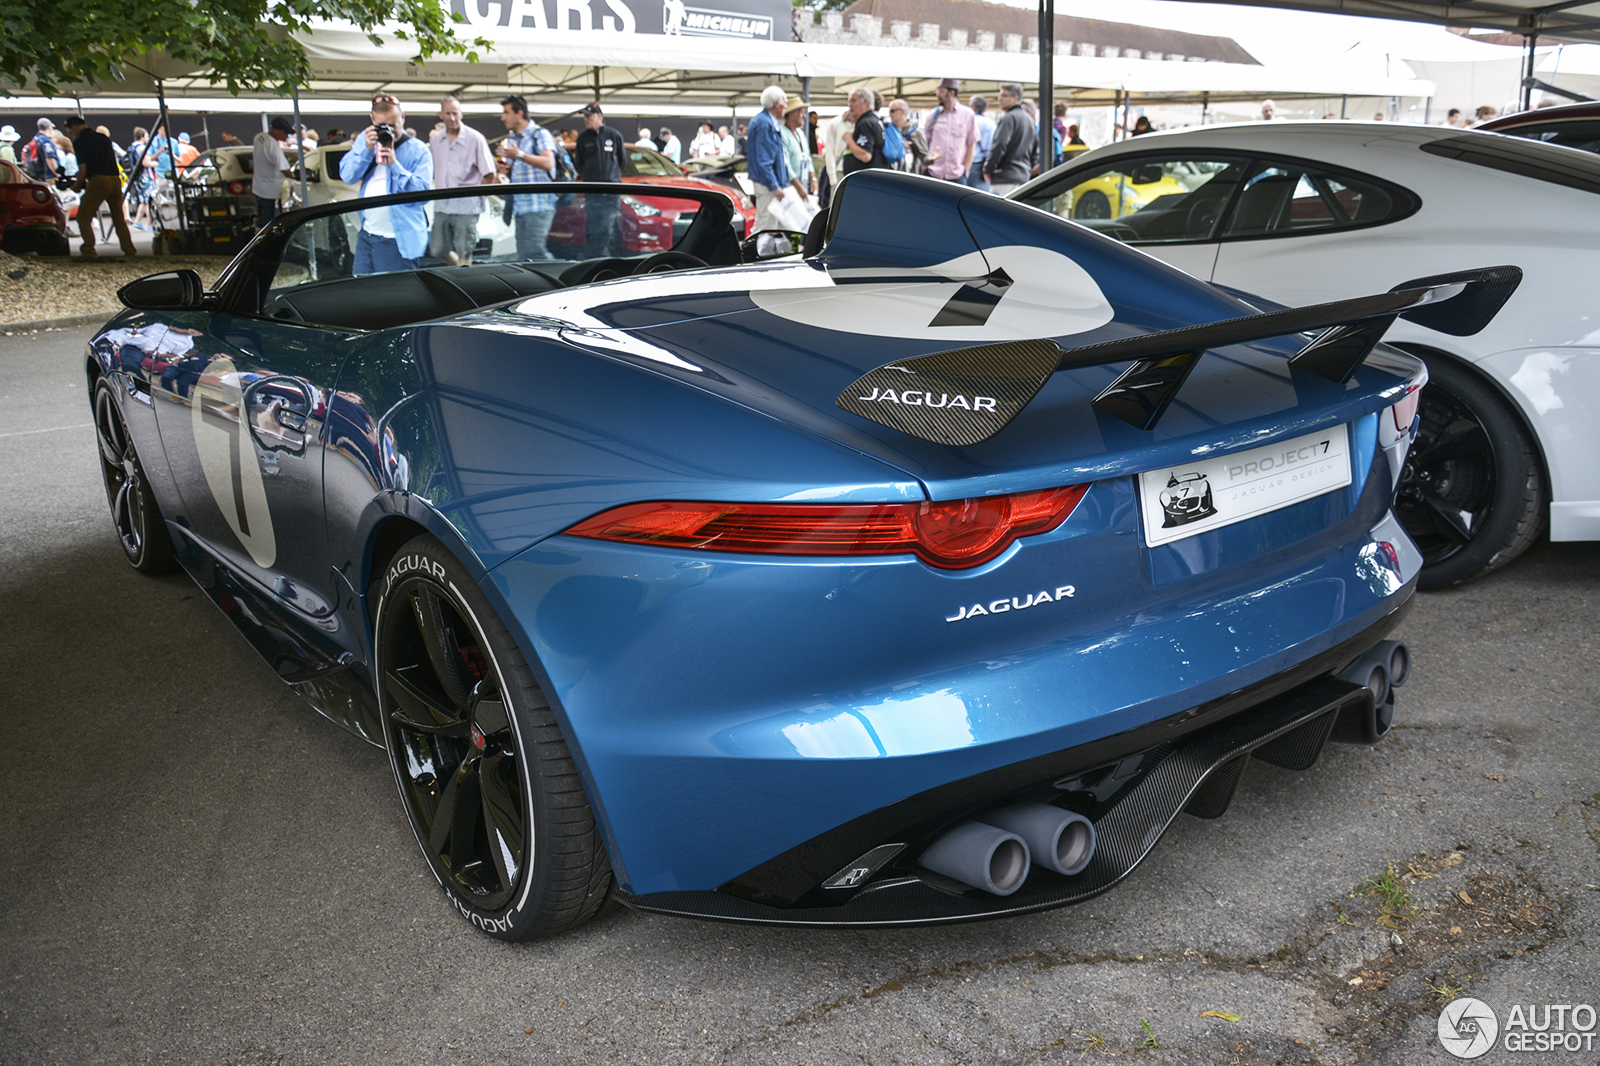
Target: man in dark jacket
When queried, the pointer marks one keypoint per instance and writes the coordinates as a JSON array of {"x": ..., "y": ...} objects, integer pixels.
[
  {"x": 1015, "y": 147},
  {"x": 599, "y": 155},
  {"x": 864, "y": 144},
  {"x": 99, "y": 182}
]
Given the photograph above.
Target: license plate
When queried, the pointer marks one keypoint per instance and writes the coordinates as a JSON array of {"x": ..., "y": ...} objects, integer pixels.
[{"x": 1202, "y": 494}]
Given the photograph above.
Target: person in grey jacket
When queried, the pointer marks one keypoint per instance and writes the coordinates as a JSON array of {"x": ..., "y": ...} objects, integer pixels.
[{"x": 1015, "y": 146}]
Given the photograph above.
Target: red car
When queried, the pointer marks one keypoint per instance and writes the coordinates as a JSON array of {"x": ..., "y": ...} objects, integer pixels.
[
  {"x": 1573, "y": 126},
  {"x": 644, "y": 165},
  {"x": 647, "y": 224},
  {"x": 30, "y": 215}
]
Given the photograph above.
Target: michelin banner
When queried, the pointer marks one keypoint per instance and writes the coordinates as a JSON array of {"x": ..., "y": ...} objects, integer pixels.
[{"x": 742, "y": 20}]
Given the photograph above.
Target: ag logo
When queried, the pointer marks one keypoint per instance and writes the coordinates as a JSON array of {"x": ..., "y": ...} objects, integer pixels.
[
  {"x": 228, "y": 457},
  {"x": 1468, "y": 1028}
]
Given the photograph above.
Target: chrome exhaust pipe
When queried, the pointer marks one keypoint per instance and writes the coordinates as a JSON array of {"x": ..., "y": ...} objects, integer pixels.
[
  {"x": 1057, "y": 840},
  {"x": 980, "y": 855},
  {"x": 1395, "y": 655}
]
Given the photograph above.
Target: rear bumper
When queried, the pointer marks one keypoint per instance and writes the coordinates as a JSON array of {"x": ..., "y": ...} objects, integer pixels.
[{"x": 1132, "y": 786}]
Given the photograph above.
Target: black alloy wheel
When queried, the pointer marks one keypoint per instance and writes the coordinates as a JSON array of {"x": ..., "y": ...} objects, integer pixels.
[
  {"x": 484, "y": 774},
  {"x": 1093, "y": 204},
  {"x": 134, "y": 513},
  {"x": 1472, "y": 494}
]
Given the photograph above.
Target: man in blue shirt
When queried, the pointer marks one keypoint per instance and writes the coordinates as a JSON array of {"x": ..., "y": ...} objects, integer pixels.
[
  {"x": 764, "y": 158},
  {"x": 46, "y": 164},
  {"x": 383, "y": 160},
  {"x": 528, "y": 153}
]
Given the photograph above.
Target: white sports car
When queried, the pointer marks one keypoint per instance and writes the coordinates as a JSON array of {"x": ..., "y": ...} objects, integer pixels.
[{"x": 1305, "y": 212}]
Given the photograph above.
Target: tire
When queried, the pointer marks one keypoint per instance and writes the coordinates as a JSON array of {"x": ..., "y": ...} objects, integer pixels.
[
  {"x": 1473, "y": 493},
  {"x": 1093, "y": 204},
  {"x": 484, "y": 774},
  {"x": 134, "y": 513}
]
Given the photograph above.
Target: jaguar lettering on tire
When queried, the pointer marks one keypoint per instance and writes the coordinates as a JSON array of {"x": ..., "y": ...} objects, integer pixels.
[{"x": 484, "y": 774}]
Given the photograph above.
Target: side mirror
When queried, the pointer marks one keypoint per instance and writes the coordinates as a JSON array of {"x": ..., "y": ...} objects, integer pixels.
[
  {"x": 1147, "y": 174},
  {"x": 176, "y": 290},
  {"x": 770, "y": 244}
]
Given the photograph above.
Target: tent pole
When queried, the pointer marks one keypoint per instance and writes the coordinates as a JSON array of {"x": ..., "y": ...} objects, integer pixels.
[
  {"x": 1205, "y": 107},
  {"x": 1527, "y": 79},
  {"x": 1344, "y": 106},
  {"x": 597, "y": 85},
  {"x": 300, "y": 143},
  {"x": 1047, "y": 83}
]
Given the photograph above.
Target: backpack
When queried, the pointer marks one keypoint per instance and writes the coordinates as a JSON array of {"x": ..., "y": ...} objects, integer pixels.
[
  {"x": 894, "y": 145},
  {"x": 564, "y": 171},
  {"x": 31, "y": 160}
]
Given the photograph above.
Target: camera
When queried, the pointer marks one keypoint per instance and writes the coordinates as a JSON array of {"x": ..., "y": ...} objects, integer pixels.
[{"x": 385, "y": 132}]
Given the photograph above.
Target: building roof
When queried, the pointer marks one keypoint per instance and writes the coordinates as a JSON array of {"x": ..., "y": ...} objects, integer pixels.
[{"x": 974, "y": 15}]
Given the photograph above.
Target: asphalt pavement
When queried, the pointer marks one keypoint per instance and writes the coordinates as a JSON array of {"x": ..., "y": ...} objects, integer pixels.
[{"x": 198, "y": 869}]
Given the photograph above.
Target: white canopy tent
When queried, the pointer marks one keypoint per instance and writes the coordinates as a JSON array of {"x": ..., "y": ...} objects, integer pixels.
[{"x": 560, "y": 70}]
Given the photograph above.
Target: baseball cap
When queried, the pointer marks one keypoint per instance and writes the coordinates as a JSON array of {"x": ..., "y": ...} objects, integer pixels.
[
  {"x": 9, "y": 134},
  {"x": 184, "y": 137},
  {"x": 282, "y": 124},
  {"x": 590, "y": 109},
  {"x": 45, "y": 124}
]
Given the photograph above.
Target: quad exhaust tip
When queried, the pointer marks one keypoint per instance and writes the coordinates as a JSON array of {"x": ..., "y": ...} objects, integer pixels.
[
  {"x": 1058, "y": 840},
  {"x": 1385, "y": 667},
  {"x": 981, "y": 856},
  {"x": 994, "y": 853}
]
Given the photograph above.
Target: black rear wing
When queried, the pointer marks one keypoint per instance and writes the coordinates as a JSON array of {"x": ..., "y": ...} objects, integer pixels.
[{"x": 968, "y": 395}]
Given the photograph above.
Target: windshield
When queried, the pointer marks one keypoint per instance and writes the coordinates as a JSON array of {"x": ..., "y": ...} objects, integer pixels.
[{"x": 472, "y": 248}]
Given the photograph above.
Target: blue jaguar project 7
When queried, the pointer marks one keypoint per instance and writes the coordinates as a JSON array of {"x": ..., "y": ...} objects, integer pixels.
[{"x": 927, "y": 574}]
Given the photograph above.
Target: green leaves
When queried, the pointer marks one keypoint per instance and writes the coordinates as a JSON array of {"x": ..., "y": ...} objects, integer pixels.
[{"x": 46, "y": 45}]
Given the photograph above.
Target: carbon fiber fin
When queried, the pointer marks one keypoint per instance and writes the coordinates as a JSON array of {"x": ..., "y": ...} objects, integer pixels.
[
  {"x": 958, "y": 397},
  {"x": 968, "y": 395}
]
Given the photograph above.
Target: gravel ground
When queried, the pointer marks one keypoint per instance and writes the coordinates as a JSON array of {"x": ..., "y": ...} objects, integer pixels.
[{"x": 34, "y": 289}]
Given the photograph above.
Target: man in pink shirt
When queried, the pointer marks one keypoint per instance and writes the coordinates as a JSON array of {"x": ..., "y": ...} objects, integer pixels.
[
  {"x": 461, "y": 158},
  {"x": 952, "y": 131}
]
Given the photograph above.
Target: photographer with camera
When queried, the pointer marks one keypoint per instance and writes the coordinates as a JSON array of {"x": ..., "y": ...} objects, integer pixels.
[{"x": 384, "y": 160}]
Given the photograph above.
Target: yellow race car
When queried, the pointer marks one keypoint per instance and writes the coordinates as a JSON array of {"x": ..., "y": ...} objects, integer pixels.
[{"x": 1114, "y": 194}]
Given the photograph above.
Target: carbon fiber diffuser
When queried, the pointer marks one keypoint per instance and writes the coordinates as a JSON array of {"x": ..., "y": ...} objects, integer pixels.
[{"x": 958, "y": 397}]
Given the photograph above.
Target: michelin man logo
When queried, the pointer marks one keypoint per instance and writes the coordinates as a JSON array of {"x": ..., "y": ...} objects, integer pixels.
[{"x": 1468, "y": 1028}]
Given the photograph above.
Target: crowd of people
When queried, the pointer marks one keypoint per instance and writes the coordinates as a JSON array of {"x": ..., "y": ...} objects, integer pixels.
[{"x": 993, "y": 148}]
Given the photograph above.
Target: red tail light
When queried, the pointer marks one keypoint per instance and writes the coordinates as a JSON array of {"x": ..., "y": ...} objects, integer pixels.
[
  {"x": 1404, "y": 413},
  {"x": 236, "y": 187},
  {"x": 955, "y": 534}
]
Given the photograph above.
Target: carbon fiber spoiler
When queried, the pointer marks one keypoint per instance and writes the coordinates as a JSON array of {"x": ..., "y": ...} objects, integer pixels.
[{"x": 981, "y": 389}]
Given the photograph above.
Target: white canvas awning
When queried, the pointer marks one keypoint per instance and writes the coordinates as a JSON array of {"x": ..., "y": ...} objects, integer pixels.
[{"x": 640, "y": 73}]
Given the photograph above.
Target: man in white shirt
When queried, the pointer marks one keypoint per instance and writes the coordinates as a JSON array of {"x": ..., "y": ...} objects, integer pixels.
[
  {"x": 270, "y": 167},
  {"x": 461, "y": 158},
  {"x": 705, "y": 142},
  {"x": 671, "y": 147},
  {"x": 725, "y": 145},
  {"x": 644, "y": 140}
]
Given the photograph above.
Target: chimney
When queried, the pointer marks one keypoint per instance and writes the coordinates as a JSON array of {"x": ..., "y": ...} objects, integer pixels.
[
  {"x": 929, "y": 35},
  {"x": 900, "y": 30},
  {"x": 1013, "y": 42},
  {"x": 985, "y": 40},
  {"x": 958, "y": 38}
]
